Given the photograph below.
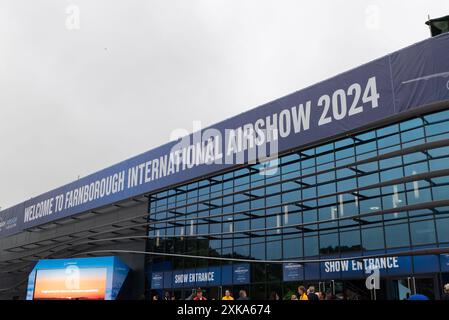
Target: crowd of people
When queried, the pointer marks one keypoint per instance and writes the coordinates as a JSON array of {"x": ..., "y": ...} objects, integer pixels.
[
  {"x": 302, "y": 293},
  {"x": 305, "y": 294},
  {"x": 308, "y": 294},
  {"x": 198, "y": 294}
]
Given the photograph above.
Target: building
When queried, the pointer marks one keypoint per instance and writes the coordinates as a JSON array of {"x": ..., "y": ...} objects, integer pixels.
[{"x": 327, "y": 186}]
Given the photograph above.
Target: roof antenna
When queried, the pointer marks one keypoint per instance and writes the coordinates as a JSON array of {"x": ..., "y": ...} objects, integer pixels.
[{"x": 430, "y": 25}]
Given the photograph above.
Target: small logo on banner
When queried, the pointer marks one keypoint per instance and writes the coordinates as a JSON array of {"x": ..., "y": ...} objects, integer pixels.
[{"x": 72, "y": 281}]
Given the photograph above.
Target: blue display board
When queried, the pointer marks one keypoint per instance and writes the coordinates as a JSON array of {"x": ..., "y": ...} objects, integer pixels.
[
  {"x": 293, "y": 272},
  {"x": 241, "y": 274},
  {"x": 99, "y": 278},
  {"x": 407, "y": 79}
]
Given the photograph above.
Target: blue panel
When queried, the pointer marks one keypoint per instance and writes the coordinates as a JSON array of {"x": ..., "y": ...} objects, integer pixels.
[
  {"x": 312, "y": 271},
  {"x": 426, "y": 264},
  {"x": 292, "y": 272},
  {"x": 181, "y": 279},
  {"x": 420, "y": 73},
  {"x": 216, "y": 278},
  {"x": 241, "y": 274},
  {"x": 226, "y": 274},
  {"x": 204, "y": 277},
  {"x": 196, "y": 278},
  {"x": 11, "y": 220},
  {"x": 404, "y": 266},
  {"x": 444, "y": 262},
  {"x": 351, "y": 269},
  {"x": 157, "y": 280},
  {"x": 399, "y": 82},
  {"x": 332, "y": 269},
  {"x": 168, "y": 279}
]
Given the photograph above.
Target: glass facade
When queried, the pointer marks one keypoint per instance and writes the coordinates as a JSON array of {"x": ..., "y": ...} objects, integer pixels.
[{"x": 374, "y": 192}]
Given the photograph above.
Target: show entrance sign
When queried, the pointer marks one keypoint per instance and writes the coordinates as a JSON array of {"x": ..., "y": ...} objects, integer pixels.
[
  {"x": 359, "y": 268},
  {"x": 203, "y": 277}
]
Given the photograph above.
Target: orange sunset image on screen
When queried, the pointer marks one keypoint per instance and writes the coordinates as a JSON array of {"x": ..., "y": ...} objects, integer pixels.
[{"x": 71, "y": 283}]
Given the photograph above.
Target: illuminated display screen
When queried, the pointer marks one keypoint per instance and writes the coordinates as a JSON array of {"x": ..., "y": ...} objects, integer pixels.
[{"x": 73, "y": 283}]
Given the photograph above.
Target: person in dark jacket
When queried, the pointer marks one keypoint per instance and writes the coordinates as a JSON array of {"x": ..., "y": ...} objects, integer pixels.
[
  {"x": 167, "y": 296},
  {"x": 243, "y": 295},
  {"x": 311, "y": 294}
]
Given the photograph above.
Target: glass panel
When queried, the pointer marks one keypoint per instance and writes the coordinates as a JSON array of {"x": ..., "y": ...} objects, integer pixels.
[
  {"x": 423, "y": 232},
  {"x": 373, "y": 238},
  {"x": 443, "y": 230},
  {"x": 397, "y": 236}
]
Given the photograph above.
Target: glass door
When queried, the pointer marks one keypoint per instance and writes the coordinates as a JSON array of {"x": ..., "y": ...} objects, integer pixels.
[
  {"x": 403, "y": 288},
  {"x": 215, "y": 293},
  {"x": 356, "y": 290},
  {"x": 425, "y": 286},
  {"x": 328, "y": 287}
]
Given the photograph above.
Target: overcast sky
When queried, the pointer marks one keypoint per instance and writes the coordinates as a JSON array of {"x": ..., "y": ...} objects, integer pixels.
[{"x": 85, "y": 84}]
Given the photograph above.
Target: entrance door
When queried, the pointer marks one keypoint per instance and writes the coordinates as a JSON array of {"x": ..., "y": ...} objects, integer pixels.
[
  {"x": 345, "y": 290},
  {"x": 215, "y": 293},
  {"x": 426, "y": 286},
  {"x": 357, "y": 290},
  {"x": 328, "y": 287},
  {"x": 403, "y": 288}
]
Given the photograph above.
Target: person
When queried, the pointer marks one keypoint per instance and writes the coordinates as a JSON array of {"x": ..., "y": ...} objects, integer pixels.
[
  {"x": 330, "y": 296},
  {"x": 321, "y": 295},
  {"x": 311, "y": 295},
  {"x": 274, "y": 296},
  {"x": 243, "y": 295},
  {"x": 227, "y": 296},
  {"x": 167, "y": 296},
  {"x": 155, "y": 297},
  {"x": 199, "y": 295},
  {"x": 293, "y": 297},
  {"x": 302, "y": 293},
  {"x": 445, "y": 295}
]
